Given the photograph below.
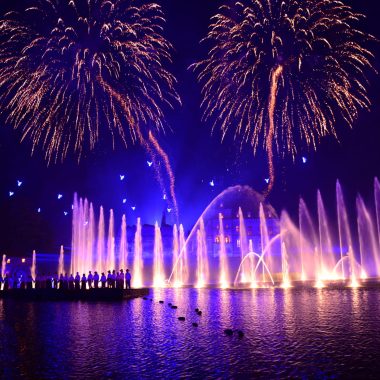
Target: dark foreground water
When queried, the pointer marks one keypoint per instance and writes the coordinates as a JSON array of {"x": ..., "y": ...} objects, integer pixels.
[{"x": 296, "y": 333}]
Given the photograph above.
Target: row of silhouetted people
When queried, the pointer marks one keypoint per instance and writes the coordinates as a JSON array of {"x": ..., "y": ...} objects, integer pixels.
[{"x": 112, "y": 280}]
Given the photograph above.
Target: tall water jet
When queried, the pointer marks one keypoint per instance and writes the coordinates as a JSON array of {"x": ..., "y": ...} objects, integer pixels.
[
  {"x": 123, "y": 248},
  {"x": 309, "y": 242},
  {"x": 301, "y": 243},
  {"x": 33, "y": 268},
  {"x": 202, "y": 258},
  {"x": 177, "y": 262},
  {"x": 326, "y": 254},
  {"x": 111, "y": 243},
  {"x": 90, "y": 226},
  {"x": 345, "y": 237},
  {"x": 184, "y": 267},
  {"x": 377, "y": 206},
  {"x": 3, "y": 266},
  {"x": 100, "y": 248},
  {"x": 138, "y": 263},
  {"x": 61, "y": 265},
  {"x": 264, "y": 234},
  {"x": 252, "y": 264},
  {"x": 74, "y": 234},
  {"x": 369, "y": 249},
  {"x": 158, "y": 259},
  {"x": 223, "y": 262},
  {"x": 244, "y": 249},
  {"x": 285, "y": 267}
]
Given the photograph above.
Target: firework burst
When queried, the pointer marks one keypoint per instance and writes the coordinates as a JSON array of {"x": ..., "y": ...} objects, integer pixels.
[
  {"x": 280, "y": 71},
  {"x": 73, "y": 69}
]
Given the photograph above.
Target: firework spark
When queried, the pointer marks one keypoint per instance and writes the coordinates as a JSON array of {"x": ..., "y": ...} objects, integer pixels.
[
  {"x": 280, "y": 72},
  {"x": 70, "y": 69}
]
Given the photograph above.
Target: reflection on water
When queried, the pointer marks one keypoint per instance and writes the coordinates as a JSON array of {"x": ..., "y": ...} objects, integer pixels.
[{"x": 292, "y": 333}]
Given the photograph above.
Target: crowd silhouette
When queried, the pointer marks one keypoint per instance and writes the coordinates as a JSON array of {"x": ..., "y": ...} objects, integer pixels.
[{"x": 109, "y": 280}]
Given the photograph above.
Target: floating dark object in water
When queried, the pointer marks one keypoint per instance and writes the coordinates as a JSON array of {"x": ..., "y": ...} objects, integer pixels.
[
  {"x": 199, "y": 312},
  {"x": 195, "y": 324},
  {"x": 161, "y": 301},
  {"x": 240, "y": 334},
  {"x": 170, "y": 304},
  {"x": 196, "y": 310},
  {"x": 228, "y": 332},
  {"x": 181, "y": 318},
  {"x": 145, "y": 298},
  {"x": 174, "y": 307}
]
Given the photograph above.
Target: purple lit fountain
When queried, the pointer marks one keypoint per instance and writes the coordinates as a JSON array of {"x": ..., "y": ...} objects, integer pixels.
[{"x": 238, "y": 241}]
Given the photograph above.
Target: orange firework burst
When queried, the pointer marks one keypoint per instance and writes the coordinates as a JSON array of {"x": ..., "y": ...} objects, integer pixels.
[
  {"x": 73, "y": 69},
  {"x": 280, "y": 71}
]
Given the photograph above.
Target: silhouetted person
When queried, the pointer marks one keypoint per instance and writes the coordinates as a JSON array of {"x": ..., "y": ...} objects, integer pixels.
[
  {"x": 71, "y": 282},
  {"x": 96, "y": 280},
  {"x": 61, "y": 281},
  {"x": 77, "y": 281},
  {"x": 6, "y": 282},
  {"x": 109, "y": 279},
  {"x": 29, "y": 283},
  {"x": 122, "y": 277},
  {"x": 128, "y": 278},
  {"x": 90, "y": 278},
  {"x": 23, "y": 283},
  {"x": 103, "y": 280},
  {"x": 84, "y": 282},
  {"x": 48, "y": 282},
  {"x": 66, "y": 281},
  {"x": 55, "y": 280},
  {"x": 114, "y": 279},
  {"x": 15, "y": 281}
]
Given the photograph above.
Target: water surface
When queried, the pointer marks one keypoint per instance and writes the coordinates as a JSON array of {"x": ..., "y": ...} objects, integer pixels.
[{"x": 295, "y": 333}]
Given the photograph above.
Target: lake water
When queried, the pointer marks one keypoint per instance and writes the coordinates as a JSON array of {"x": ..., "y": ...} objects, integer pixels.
[{"x": 294, "y": 333}]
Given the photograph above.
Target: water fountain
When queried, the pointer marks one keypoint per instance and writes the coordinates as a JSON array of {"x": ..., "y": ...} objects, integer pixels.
[
  {"x": 239, "y": 240},
  {"x": 61, "y": 262}
]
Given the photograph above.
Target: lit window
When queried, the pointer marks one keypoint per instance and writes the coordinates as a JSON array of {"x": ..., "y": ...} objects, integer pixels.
[
  {"x": 8, "y": 261},
  {"x": 238, "y": 243},
  {"x": 217, "y": 240},
  {"x": 23, "y": 260}
]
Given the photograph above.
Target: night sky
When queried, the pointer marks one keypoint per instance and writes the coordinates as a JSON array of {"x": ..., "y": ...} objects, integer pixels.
[{"x": 197, "y": 157}]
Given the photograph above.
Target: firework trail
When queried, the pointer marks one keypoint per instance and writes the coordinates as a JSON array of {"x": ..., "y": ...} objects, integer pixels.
[
  {"x": 71, "y": 70},
  {"x": 279, "y": 72}
]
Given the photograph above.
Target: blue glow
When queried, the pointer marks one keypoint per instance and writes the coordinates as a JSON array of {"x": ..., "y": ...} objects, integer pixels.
[
  {"x": 304, "y": 160},
  {"x": 60, "y": 196},
  {"x": 267, "y": 180},
  {"x": 149, "y": 163},
  {"x": 212, "y": 183},
  {"x": 11, "y": 193},
  {"x": 19, "y": 183},
  {"x": 164, "y": 197},
  {"x": 133, "y": 208},
  {"x": 124, "y": 200},
  {"x": 169, "y": 210},
  {"x": 122, "y": 177}
]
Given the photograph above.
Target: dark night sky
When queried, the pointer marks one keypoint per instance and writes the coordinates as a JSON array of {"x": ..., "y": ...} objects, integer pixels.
[{"x": 196, "y": 157}]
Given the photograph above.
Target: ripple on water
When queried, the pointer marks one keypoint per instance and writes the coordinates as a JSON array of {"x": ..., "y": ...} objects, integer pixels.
[{"x": 287, "y": 333}]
